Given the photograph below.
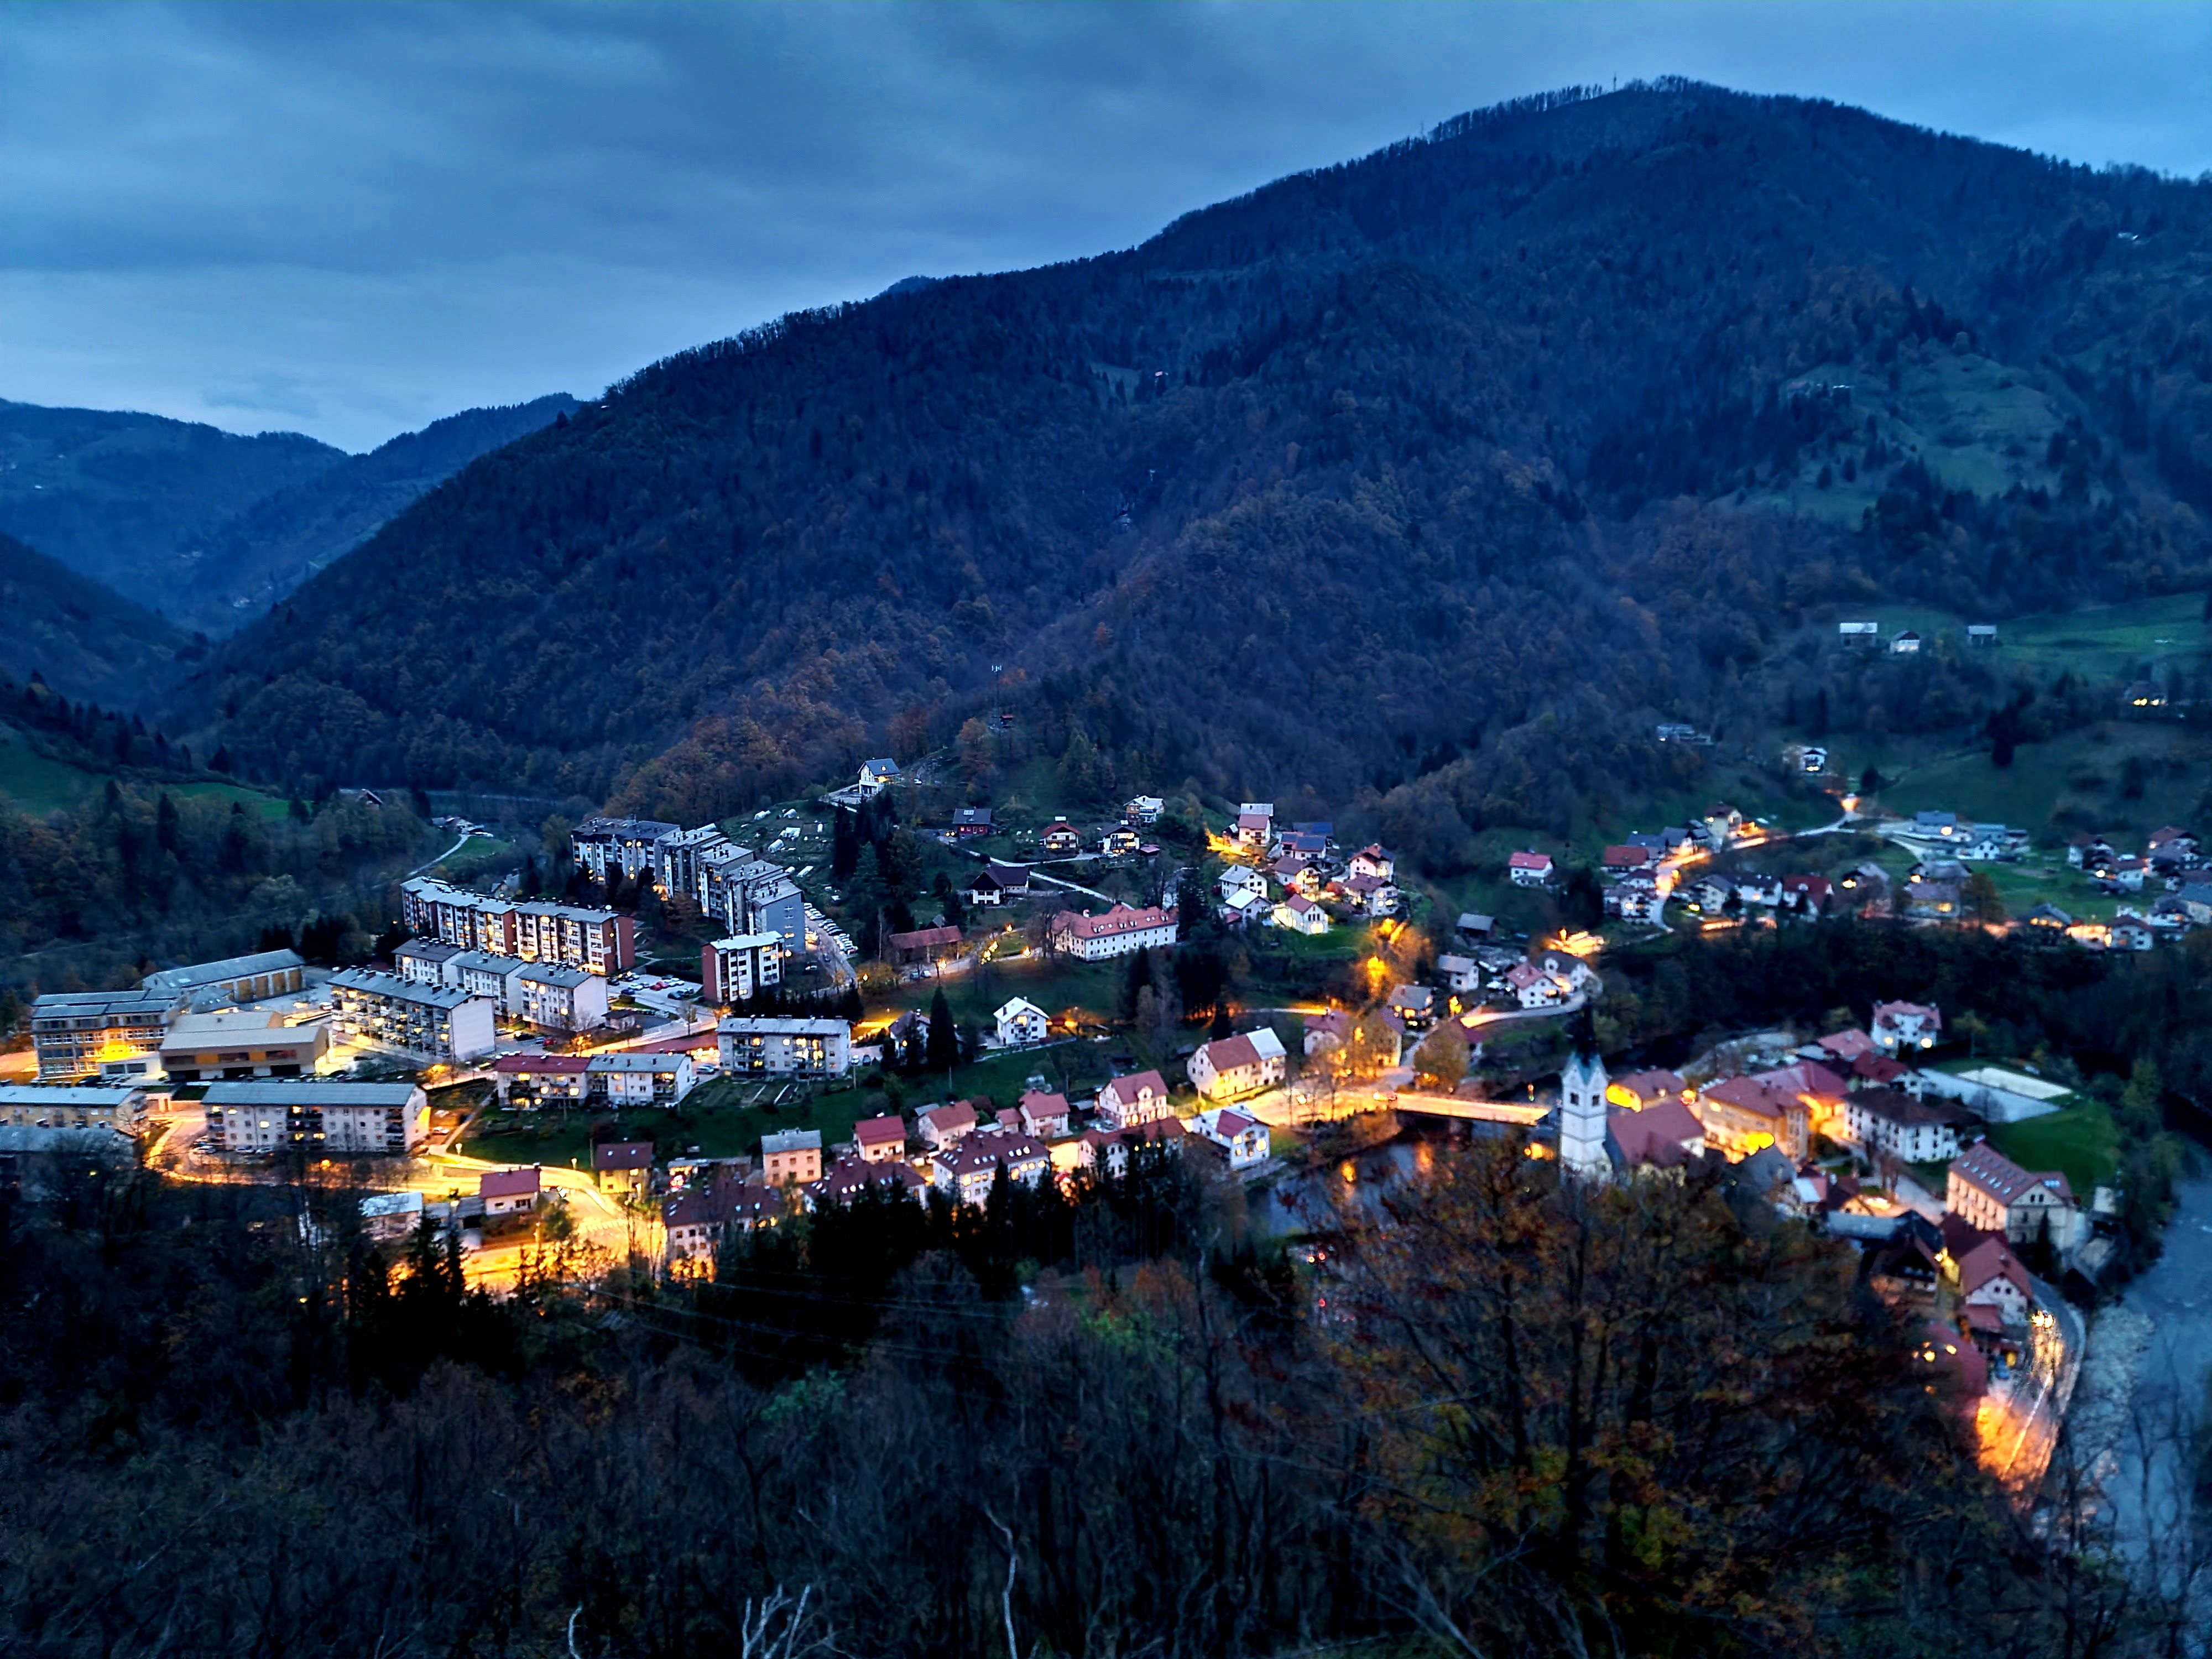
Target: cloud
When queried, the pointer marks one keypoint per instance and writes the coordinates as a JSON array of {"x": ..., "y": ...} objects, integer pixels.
[{"x": 360, "y": 218}]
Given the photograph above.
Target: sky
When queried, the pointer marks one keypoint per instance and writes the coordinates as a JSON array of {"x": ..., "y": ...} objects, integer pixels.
[{"x": 348, "y": 220}]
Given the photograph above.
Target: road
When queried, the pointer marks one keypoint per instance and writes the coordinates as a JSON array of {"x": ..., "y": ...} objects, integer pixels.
[
  {"x": 442, "y": 857},
  {"x": 601, "y": 1224}
]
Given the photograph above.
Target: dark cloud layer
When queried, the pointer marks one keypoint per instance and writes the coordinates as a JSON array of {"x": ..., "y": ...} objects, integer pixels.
[{"x": 348, "y": 221}]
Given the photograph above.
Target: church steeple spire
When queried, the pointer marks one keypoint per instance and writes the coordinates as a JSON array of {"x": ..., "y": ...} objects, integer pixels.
[{"x": 1582, "y": 1084}]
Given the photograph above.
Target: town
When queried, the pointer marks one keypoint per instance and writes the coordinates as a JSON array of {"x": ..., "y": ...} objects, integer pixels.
[{"x": 798, "y": 1066}]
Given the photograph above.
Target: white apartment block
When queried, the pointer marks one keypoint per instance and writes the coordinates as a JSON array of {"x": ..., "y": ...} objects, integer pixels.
[
  {"x": 436, "y": 1021},
  {"x": 604, "y": 941},
  {"x": 555, "y": 999},
  {"x": 319, "y": 1118},
  {"x": 784, "y": 1048},
  {"x": 735, "y": 969}
]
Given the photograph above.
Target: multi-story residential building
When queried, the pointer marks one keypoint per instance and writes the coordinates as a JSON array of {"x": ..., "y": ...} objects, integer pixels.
[
  {"x": 237, "y": 1043},
  {"x": 1140, "y": 1098},
  {"x": 498, "y": 979},
  {"x": 679, "y": 859},
  {"x": 736, "y": 969},
  {"x": 791, "y": 1155},
  {"x": 604, "y": 941},
  {"x": 625, "y": 846},
  {"x": 1119, "y": 931},
  {"x": 1231, "y": 1067},
  {"x": 1916, "y": 1130},
  {"x": 967, "y": 1172},
  {"x": 320, "y": 1117},
  {"x": 754, "y": 895},
  {"x": 780, "y": 1048},
  {"x": 541, "y": 1079},
  {"x": 556, "y": 998},
  {"x": 1988, "y": 1190},
  {"x": 74, "y": 1031},
  {"x": 1742, "y": 1115},
  {"x": 1901, "y": 1027},
  {"x": 241, "y": 979},
  {"x": 440, "y": 1021},
  {"x": 632, "y": 1079},
  {"x": 423, "y": 960},
  {"x": 80, "y": 1106}
]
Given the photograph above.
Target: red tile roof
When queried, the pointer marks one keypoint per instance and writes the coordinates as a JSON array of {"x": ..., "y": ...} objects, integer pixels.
[
  {"x": 1985, "y": 1167},
  {"x": 889, "y": 1130},
  {"x": 518, "y": 1065},
  {"x": 507, "y": 1184}
]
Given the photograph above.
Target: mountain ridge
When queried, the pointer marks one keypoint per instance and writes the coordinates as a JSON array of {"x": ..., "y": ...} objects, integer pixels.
[{"x": 1462, "y": 461}]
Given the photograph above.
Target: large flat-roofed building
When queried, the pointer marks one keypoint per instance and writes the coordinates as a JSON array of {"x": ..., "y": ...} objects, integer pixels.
[
  {"x": 238, "y": 1043},
  {"x": 552, "y": 998},
  {"x": 604, "y": 941},
  {"x": 423, "y": 960},
  {"x": 625, "y": 846},
  {"x": 318, "y": 1118},
  {"x": 638, "y": 1079},
  {"x": 777, "y": 1047},
  {"x": 80, "y": 1106},
  {"x": 74, "y": 1031},
  {"x": 678, "y": 858},
  {"x": 436, "y": 1021},
  {"x": 736, "y": 969},
  {"x": 749, "y": 894},
  {"x": 242, "y": 979}
]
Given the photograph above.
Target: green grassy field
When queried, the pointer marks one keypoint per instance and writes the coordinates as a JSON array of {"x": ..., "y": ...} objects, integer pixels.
[
  {"x": 722, "y": 1118},
  {"x": 2082, "y": 1141},
  {"x": 254, "y": 800},
  {"x": 37, "y": 785},
  {"x": 480, "y": 857},
  {"x": 2084, "y": 774}
]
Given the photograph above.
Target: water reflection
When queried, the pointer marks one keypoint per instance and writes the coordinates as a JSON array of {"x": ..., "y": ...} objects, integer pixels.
[{"x": 1311, "y": 1201}]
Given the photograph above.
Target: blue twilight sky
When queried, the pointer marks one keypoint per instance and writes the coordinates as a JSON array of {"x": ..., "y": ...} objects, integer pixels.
[{"x": 348, "y": 221}]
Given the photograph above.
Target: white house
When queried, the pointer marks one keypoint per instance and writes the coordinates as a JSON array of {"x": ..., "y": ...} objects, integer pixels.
[
  {"x": 1244, "y": 1138},
  {"x": 1461, "y": 974},
  {"x": 1230, "y": 1067},
  {"x": 1891, "y": 1121},
  {"x": 967, "y": 1172},
  {"x": 1904, "y": 1026},
  {"x": 1532, "y": 987},
  {"x": 1022, "y": 1022},
  {"x": 1990, "y": 1276},
  {"x": 875, "y": 774},
  {"x": 1529, "y": 869},
  {"x": 1139, "y": 1097},
  {"x": 1243, "y": 878},
  {"x": 1301, "y": 915},
  {"x": 944, "y": 1126},
  {"x": 1372, "y": 860}
]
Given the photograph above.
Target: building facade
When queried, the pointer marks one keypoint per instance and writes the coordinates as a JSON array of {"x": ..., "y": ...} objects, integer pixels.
[
  {"x": 436, "y": 1021},
  {"x": 784, "y": 1048},
  {"x": 1116, "y": 933},
  {"x": 318, "y": 1118},
  {"x": 604, "y": 941},
  {"x": 73, "y": 1031},
  {"x": 242, "y": 979},
  {"x": 121, "y": 1107},
  {"x": 236, "y": 1044},
  {"x": 738, "y": 967}
]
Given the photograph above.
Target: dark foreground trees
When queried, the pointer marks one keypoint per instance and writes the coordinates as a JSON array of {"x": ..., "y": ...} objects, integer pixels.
[{"x": 1491, "y": 1418}]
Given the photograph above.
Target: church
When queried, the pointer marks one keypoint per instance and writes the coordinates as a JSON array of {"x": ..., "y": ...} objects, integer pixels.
[{"x": 1596, "y": 1141}]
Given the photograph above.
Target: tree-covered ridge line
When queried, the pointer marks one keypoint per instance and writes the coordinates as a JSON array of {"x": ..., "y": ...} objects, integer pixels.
[{"x": 1313, "y": 485}]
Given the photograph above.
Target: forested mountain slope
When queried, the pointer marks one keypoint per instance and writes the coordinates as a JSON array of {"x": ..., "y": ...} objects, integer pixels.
[
  {"x": 118, "y": 496},
  {"x": 85, "y": 641},
  {"x": 1458, "y": 464},
  {"x": 269, "y": 548}
]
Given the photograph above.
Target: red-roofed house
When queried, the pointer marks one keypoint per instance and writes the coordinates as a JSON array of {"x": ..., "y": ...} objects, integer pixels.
[
  {"x": 1811, "y": 892},
  {"x": 1119, "y": 931},
  {"x": 1620, "y": 861},
  {"x": 1529, "y": 869},
  {"x": 1847, "y": 1045},
  {"x": 1742, "y": 1115},
  {"x": 1901, "y": 1026},
  {"x": 848, "y": 1177},
  {"x": 508, "y": 1192},
  {"x": 967, "y": 1172},
  {"x": 1820, "y": 1090},
  {"x": 1989, "y": 1191},
  {"x": 539, "y": 1079},
  {"x": 1042, "y": 1115},
  {"x": 1663, "y": 1136},
  {"x": 1990, "y": 1276},
  {"x": 1244, "y": 1138},
  {"x": 880, "y": 1140},
  {"x": 924, "y": 944},
  {"x": 1061, "y": 838},
  {"x": 1532, "y": 987},
  {"x": 947, "y": 1127},
  {"x": 1140, "y": 1098},
  {"x": 1231, "y": 1067},
  {"x": 1641, "y": 1091}
]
